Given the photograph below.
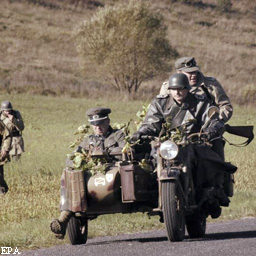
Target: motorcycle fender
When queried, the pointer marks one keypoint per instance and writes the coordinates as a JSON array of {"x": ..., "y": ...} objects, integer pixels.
[
  {"x": 104, "y": 187},
  {"x": 170, "y": 174}
]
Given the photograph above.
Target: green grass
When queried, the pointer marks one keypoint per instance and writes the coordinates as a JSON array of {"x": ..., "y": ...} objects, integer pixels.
[{"x": 34, "y": 182}]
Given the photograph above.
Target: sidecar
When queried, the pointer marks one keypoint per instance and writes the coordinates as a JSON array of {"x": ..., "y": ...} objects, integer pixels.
[{"x": 124, "y": 187}]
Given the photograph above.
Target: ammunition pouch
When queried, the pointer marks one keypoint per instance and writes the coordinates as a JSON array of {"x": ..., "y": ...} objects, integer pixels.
[
  {"x": 15, "y": 134},
  {"x": 135, "y": 182},
  {"x": 127, "y": 183}
]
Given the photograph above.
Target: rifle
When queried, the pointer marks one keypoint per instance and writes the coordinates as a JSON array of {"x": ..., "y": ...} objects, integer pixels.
[{"x": 243, "y": 131}]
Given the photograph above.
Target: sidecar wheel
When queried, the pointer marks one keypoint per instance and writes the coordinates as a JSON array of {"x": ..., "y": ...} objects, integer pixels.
[
  {"x": 77, "y": 230},
  {"x": 173, "y": 211},
  {"x": 196, "y": 228}
]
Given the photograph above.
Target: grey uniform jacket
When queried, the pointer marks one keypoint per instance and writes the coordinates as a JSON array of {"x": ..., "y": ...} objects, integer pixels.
[
  {"x": 165, "y": 108},
  {"x": 113, "y": 140},
  {"x": 207, "y": 162}
]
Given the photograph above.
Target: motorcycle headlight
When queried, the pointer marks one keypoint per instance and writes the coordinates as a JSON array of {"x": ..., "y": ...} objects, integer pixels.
[{"x": 169, "y": 150}]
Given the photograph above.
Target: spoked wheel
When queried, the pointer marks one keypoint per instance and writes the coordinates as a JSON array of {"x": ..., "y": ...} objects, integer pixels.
[
  {"x": 196, "y": 227},
  {"x": 173, "y": 211},
  {"x": 77, "y": 230}
]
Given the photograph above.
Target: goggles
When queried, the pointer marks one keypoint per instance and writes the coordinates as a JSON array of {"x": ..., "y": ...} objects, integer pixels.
[{"x": 190, "y": 64}]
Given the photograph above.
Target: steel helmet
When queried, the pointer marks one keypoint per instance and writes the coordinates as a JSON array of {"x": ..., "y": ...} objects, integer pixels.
[
  {"x": 6, "y": 105},
  {"x": 179, "y": 81}
]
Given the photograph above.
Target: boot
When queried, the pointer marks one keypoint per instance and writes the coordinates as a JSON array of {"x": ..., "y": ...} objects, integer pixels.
[
  {"x": 3, "y": 184},
  {"x": 215, "y": 210},
  {"x": 221, "y": 195},
  {"x": 59, "y": 226},
  {"x": 223, "y": 198}
]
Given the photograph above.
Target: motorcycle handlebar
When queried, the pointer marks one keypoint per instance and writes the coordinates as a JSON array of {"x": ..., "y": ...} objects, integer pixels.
[{"x": 148, "y": 137}]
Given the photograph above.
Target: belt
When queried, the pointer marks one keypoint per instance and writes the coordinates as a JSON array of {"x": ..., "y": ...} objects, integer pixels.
[{"x": 15, "y": 134}]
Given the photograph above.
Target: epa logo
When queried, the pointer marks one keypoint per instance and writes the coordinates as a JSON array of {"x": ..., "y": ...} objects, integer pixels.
[{"x": 9, "y": 250}]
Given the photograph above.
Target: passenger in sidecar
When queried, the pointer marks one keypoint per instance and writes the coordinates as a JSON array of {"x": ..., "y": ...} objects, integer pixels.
[{"x": 104, "y": 138}]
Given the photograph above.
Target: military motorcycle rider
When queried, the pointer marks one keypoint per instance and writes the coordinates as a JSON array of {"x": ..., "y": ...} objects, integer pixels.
[
  {"x": 14, "y": 122},
  {"x": 104, "y": 137},
  {"x": 179, "y": 106},
  {"x": 207, "y": 86}
]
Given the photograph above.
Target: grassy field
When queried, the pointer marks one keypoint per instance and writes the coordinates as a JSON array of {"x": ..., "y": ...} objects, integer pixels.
[
  {"x": 34, "y": 183},
  {"x": 38, "y": 57},
  {"x": 38, "y": 54}
]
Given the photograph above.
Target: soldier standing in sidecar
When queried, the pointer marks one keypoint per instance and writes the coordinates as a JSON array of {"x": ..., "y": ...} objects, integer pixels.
[
  {"x": 104, "y": 138},
  {"x": 177, "y": 108}
]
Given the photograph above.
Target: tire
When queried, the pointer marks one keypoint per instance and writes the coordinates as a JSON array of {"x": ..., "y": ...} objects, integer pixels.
[
  {"x": 196, "y": 227},
  {"x": 77, "y": 230},
  {"x": 173, "y": 211}
]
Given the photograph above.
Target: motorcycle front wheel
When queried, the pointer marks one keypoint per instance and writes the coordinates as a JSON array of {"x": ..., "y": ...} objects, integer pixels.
[
  {"x": 77, "y": 230},
  {"x": 173, "y": 211}
]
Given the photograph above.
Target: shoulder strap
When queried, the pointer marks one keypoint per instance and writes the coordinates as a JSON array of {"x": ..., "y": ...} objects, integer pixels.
[
  {"x": 177, "y": 115},
  {"x": 208, "y": 95}
]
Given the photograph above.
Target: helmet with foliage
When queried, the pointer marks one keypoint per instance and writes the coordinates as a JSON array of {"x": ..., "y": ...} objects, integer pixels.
[
  {"x": 179, "y": 81},
  {"x": 6, "y": 105}
]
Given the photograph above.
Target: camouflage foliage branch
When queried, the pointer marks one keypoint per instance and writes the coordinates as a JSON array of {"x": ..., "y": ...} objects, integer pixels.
[
  {"x": 83, "y": 130},
  {"x": 83, "y": 161}
]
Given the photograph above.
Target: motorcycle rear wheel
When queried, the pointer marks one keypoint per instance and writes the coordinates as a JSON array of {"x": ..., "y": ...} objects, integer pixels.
[
  {"x": 196, "y": 227},
  {"x": 77, "y": 230},
  {"x": 173, "y": 211}
]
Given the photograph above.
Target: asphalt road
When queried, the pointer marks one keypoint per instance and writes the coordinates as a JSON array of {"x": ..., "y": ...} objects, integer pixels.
[{"x": 230, "y": 238}]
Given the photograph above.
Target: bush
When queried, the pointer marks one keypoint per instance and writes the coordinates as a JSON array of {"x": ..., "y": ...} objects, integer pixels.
[{"x": 126, "y": 44}]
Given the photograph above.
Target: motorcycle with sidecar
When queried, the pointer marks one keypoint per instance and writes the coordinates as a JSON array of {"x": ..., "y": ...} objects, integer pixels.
[{"x": 167, "y": 189}]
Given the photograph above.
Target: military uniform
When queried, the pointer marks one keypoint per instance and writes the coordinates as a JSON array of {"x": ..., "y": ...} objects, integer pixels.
[
  {"x": 207, "y": 86},
  {"x": 164, "y": 107},
  {"x": 209, "y": 165},
  {"x": 5, "y": 146},
  {"x": 16, "y": 126},
  {"x": 112, "y": 140}
]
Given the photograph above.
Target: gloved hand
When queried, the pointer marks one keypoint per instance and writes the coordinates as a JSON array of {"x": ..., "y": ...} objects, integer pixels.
[
  {"x": 135, "y": 137},
  {"x": 215, "y": 129},
  {"x": 3, "y": 155},
  {"x": 212, "y": 133}
]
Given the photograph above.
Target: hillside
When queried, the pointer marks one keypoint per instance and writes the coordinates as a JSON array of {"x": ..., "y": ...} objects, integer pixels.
[{"x": 38, "y": 55}]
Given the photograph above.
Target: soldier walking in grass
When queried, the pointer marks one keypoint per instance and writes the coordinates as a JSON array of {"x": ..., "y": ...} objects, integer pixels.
[
  {"x": 13, "y": 121},
  {"x": 4, "y": 153}
]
